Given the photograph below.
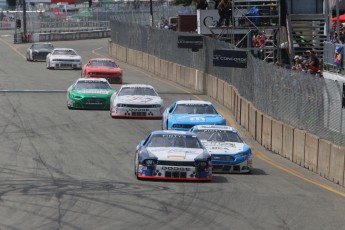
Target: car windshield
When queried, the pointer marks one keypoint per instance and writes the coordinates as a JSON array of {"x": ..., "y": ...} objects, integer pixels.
[
  {"x": 64, "y": 52},
  {"x": 103, "y": 63},
  {"x": 194, "y": 109},
  {"x": 137, "y": 91},
  {"x": 91, "y": 85},
  {"x": 173, "y": 140},
  {"x": 43, "y": 46},
  {"x": 218, "y": 135}
]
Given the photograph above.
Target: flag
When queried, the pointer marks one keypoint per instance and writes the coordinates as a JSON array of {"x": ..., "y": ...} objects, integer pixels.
[{"x": 338, "y": 56}]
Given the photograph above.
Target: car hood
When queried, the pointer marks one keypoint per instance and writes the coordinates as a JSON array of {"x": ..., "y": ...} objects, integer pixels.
[
  {"x": 138, "y": 99},
  {"x": 175, "y": 153},
  {"x": 72, "y": 57},
  {"x": 195, "y": 118},
  {"x": 215, "y": 147},
  {"x": 93, "y": 91}
]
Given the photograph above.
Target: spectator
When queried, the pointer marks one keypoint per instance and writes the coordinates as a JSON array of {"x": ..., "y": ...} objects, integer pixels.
[
  {"x": 313, "y": 65},
  {"x": 224, "y": 11},
  {"x": 202, "y": 5}
]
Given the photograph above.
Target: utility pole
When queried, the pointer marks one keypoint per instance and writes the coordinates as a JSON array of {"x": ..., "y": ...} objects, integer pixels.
[
  {"x": 24, "y": 19},
  {"x": 151, "y": 14}
]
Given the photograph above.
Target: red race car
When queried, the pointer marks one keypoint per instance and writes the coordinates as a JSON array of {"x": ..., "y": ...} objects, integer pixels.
[{"x": 102, "y": 68}]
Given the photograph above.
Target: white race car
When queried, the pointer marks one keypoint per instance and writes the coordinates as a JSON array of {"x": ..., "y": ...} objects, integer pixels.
[
  {"x": 136, "y": 101},
  {"x": 172, "y": 155},
  {"x": 63, "y": 58},
  {"x": 228, "y": 151}
]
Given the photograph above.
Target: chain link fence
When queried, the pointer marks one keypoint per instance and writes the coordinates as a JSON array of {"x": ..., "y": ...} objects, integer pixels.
[{"x": 301, "y": 100}]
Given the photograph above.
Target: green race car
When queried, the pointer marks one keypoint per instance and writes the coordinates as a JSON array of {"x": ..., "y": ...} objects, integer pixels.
[{"x": 89, "y": 93}]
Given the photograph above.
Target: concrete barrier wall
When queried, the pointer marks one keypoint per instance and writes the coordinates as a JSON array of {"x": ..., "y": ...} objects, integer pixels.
[
  {"x": 67, "y": 36},
  {"x": 238, "y": 107},
  {"x": 131, "y": 57},
  {"x": 337, "y": 164},
  {"x": 277, "y": 137},
  {"x": 244, "y": 113},
  {"x": 299, "y": 147},
  {"x": 311, "y": 152},
  {"x": 252, "y": 120},
  {"x": 288, "y": 141},
  {"x": 259, "y": 117},
  {"x": 164, "y": 69},
  {"x": 151, "y": 63},
  {"x": 157, "y": 66},
  {"x": 139, "y": 59},
  {"x": 209, "y": 85},
  {"x": 227, "y": 96},
  {"x": 323, "y": 160},
  {"x": 267, "y": 132},
  {"x": 145, "y": 61},
  {"x": 305, "y": 149},
  {"x": 220, "y": 91},
  {"x": 200, "y": 81}
]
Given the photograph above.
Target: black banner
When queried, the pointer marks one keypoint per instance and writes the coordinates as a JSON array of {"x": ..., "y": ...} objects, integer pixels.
[
  {"x": 190, "y": 42},
  {"x": 230, "y": 58}
]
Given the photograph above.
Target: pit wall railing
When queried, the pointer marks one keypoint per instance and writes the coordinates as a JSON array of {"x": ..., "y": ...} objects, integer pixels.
[{"x": 280, "y": 109}]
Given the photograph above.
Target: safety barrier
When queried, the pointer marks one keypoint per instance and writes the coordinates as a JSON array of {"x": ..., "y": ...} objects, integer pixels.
[
  {"x": 65, "y": 36},
  {"x": 305, "y": 149}
]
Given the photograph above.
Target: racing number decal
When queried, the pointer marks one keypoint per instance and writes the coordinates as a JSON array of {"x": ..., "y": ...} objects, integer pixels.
[{"x": 197, "y": 119}]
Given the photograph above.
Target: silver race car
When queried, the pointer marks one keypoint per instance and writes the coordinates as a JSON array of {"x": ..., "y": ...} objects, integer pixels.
[
  {"x": 39, "y": 51},
  {"x": 228, "y": 151},
  {"x": 136, "y": 101},
  {"x": 63, "y": 58}
]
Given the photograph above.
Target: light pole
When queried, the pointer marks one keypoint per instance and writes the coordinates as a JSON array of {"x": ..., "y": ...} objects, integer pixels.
[{"x": 151, "y": 14}]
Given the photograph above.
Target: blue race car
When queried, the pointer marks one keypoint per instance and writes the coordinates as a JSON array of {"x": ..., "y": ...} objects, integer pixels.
[
  {"x": 184, "y": 114},
  {"x": 229, "y": 153},
  {"x": 172, "y": 155}
]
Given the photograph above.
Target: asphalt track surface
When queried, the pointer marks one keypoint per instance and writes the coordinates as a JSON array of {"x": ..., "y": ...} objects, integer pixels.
[{"x": 73, "y": 169}]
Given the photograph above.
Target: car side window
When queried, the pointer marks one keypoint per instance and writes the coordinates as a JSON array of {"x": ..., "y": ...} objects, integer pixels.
[
  {"x": 171, "y": 108},
  {"x": 147, "y": 139}
]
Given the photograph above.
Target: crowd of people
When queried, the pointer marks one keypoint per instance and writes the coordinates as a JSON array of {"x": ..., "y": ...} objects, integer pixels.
[{"x": 310, "y": 62}]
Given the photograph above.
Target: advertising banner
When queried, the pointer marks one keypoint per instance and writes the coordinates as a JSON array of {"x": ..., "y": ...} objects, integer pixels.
[
  {"x": 230, "y": 58},
  {"x": 190, "y": 42}
]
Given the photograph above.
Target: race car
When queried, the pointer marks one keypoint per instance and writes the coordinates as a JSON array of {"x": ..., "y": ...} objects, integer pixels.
[
  {"x": 229, "y": 153},
  {"x": 103, "y": 67},
  {"x": 89, "y": 93},
  {"x": 184, "y": 114},
  {"x": 136, "y": 101},
  {"x": 39, "y": 51},
  {"x": 63, "y": 58},
  {"x": 172, "y": 155}
]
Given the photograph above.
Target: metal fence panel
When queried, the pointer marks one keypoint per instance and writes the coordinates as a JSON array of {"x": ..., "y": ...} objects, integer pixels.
[{"x": 298, "y": 99}]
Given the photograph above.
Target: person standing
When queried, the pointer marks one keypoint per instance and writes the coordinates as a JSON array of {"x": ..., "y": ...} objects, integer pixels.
[
  {"x": 202, "y": 5},
  {"x": 225, "y": 13}
]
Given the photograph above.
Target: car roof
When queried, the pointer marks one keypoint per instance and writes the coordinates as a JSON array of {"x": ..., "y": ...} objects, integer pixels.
[
  {"x": 173, "y": 132},
  {"x": 92, "y": 79},
  {"x": 214, "y": 127},
  {"x": 137, "y": 86},
  {"x": 182, "y": 102},
  {"x": 40, "y": 43},
  {"x": 64, "y": 49}
]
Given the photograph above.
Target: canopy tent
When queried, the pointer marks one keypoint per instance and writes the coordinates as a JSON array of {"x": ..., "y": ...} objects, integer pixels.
[
  {"x": 341, "y": 18},
  {"x": 87, "y": 12}
]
